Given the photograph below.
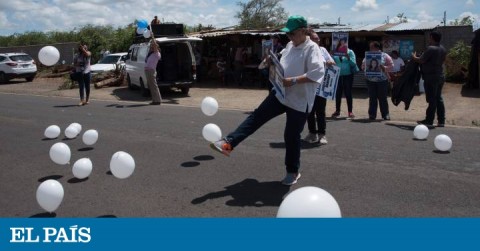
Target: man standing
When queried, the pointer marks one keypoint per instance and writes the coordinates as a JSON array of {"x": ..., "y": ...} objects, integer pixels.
[{"x": 432, "y": 72}]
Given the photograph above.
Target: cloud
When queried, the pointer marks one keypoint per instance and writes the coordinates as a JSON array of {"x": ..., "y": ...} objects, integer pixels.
[
  {"x": 362, "y": 5},
  {"x": 325, "y": 7},
  {"x": 423, "y": 16},
  {"x": 470, "y": 3}
]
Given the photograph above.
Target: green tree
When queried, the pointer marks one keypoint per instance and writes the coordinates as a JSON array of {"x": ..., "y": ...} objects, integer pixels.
[
  {"x": 468, "y": 20},
  {"x": 257, "y": 14},
  {"x": 402, "y": 18}
]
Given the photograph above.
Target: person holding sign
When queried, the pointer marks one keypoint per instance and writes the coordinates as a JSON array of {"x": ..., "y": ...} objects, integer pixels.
[
  {"x": 376, "y": 65},
  {"x": 348, "y": 67},
  {"x": 317, "y": 131},
  {"x": 303, "y": 66}
]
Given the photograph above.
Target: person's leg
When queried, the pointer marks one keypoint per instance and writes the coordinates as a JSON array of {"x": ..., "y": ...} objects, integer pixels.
[
  {"x": 382, "y": 93},
  {"x": 320, "y": 112},
  {"x": 440, "y": 103},
  {"x": 81, "y": 88},
  {"x": 431, "y": 86},
  {"x": 338, "y": 95},
  {"x": 312, "y": 127},
  {"x": 152, "y": 85},
  {"x": 268, "y": 109},
  {"x": 372, "y": 99},
  {"x": 347, "y": 86},
  {"x": 87, "y": 79},
  {"x": 292, "y": 135}
]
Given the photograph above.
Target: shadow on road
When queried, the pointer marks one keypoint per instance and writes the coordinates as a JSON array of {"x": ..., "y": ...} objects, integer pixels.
[
  {"x": 304, "y": 145},
  {"x": 190, "y": 164},
  {"x": 249, "y": 192},
  {"x": 470, "y": 93},
  {"x": 76, "y": 180},
  {"x": 168, "y": 96},
  {"x": 402, "y": 126},
  {"x": 50, "y": 177},
  {"x": 44, "y": 215}
]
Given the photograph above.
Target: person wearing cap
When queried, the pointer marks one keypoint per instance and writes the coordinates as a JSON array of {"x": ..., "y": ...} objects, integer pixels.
[{"x": 303, "y": 66}]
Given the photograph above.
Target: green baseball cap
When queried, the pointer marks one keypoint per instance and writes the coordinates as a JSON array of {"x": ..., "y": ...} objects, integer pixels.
[{"x": 295, "y": 22}]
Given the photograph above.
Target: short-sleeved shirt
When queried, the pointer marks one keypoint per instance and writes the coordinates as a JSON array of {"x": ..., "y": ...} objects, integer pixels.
[
  {"x": 345, "y": 64},
  {"x": 432, "y": 59},
  {"x": 397, "y": 64},
  {"x": 85, "y": 61},
  {"x": 303, "y": 60}
]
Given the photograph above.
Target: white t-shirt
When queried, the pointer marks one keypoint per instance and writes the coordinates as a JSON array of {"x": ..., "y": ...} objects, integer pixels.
[
  {"x": 303, "y": 60},
  {"x": 397, "y": 64}
]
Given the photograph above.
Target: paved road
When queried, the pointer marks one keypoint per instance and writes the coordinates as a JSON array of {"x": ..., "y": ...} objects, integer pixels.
[{"x": 372, "y": 169}]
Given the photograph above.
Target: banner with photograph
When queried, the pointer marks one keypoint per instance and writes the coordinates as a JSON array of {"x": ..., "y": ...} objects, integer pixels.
[
  {"x": 339, "y": 43},
  {"x": 267, "y": 45},
  {"x": 390, "y": 45},
  {"x": 373, "y": 62},
  {"x": 328, "y": 88},
  {"x": 406, "y": 49}
]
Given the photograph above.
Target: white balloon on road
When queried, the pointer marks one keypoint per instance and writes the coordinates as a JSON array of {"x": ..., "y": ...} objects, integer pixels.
[
  {"x": 50, "y": 195},
  {"x": 52, "y": 132},
  {"x": 443, "y": 143},
  {"x": 71, "y": 132},
  {"x": 122, "y": 165},
  {"x": 90, "y": 137},
  {"x": 420, "y": 132},
  {"x": 60, "y": 153},
  {"x": 82, "y": 168},
  {"x": 309, "y": 202},
  {"x": 209, "y": 106}
]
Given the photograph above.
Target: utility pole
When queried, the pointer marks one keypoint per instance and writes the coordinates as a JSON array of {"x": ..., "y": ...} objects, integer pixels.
[
  {"x": 444, "y": 18},
  {"x": 338, "y": 20}
]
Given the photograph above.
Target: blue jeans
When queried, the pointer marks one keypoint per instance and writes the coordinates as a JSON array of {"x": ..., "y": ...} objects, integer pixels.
[
  {"x": 377, "y": 93},
  {"x": 268, "y": 109},
  {"x": 433, "y": 94},
  {"x": 84, "y": 86},
  {"x": 318, "y": 111},
  {"x": 345, "y": 84}
]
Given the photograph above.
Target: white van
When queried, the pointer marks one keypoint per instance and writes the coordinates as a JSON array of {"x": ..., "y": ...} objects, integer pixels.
[{"x": 176, "y": 69}]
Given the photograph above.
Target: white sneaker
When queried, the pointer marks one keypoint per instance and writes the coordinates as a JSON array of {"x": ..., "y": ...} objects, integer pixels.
[
  {"x": 323, "y": 140},
  {"x": 311, "y": 138},
  {"x": 291, "y": 178}
]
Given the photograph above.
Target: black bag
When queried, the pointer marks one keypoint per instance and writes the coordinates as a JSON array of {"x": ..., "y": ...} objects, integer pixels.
[{"x": 75, "y": 76}]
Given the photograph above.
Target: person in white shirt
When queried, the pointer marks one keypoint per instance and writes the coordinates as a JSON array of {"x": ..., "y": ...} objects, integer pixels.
[
  {"x": 398, "y": 64},
  {"x": 304, "y": 69}
]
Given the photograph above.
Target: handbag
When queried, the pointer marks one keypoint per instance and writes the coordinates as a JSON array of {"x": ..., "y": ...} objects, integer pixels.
[{"x": 75, "y": 76}]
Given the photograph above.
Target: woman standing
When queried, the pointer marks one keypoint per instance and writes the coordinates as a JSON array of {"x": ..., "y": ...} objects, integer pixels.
[
  {"x": 348, "y": 66},
  {"x": 81, "y": 61},
  {"x": 151, "y": 60},
  {"x": 378, "y": 86}
]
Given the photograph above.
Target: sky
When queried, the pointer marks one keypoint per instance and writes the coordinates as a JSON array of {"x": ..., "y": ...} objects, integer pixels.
[{"x": 19, "y": 16}]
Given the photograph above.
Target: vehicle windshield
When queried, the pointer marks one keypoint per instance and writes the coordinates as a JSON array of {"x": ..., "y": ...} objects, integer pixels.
[
  {"x": 20, "y": 58},
  {"x": 109, "y": 60}
]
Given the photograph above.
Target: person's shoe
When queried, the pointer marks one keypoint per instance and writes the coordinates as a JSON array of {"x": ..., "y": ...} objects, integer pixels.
[
  {"x": 351, "y": 115},
  {"x": 291, "y": 178},
  {"x": 441, "y": 125},
  {"x": 222, "y": 147},
  {"x": 323, "y": 140},
  {"x": 371, "y": 118},
  {"x": 335, "y": 114},
  {"x": 311, "y": 138},
  {"x": 82, "y": 102},
  {"x": 155, "y": 103},
  {"x": 86, "y": 102},
  {"x": 387, "y": 117},
  {"x": 426, "y": 123}
]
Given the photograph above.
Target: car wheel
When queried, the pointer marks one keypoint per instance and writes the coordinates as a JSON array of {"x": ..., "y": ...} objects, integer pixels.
[
  {"x": 185, "y": 90},
  {"x": 144, "y": 91},
  {"x": 29, "y": 79},
  {"x": 129, "y": 83},
  {"x": 3, "y": 78}
]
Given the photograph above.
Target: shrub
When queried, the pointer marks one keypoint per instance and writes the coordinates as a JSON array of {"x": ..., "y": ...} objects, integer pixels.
[{"x": 457, "y": 62}]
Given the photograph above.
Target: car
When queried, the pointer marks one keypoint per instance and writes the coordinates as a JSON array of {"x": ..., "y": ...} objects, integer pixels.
[
  {"x": 17, "y": 65},
  {"x": 176, "y": 68},
  {"x": 109, "y": 63}
]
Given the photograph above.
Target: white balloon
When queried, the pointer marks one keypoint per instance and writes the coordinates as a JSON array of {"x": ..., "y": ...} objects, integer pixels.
[
  {"x": 52, "y": 132},
  {"x": 122, "y": 165},
  {"x": 71, "y": 132},
  {"x": 141, "y": 30},
  {"x": 146, "y": 33},
  {"x": 420, "y": 132},
  {"x": 212, "y": 132},
  {"x": 50, "y": 195},
  {"x": 60, "y": 153},
  {"x": 49, "y": 55},
  {"x": 443, "y": 143},
  {"x": 90, "y": 137},
  {"x": 82, "y": 168},
  {"x": 209, "y": 106},
  {"x": 77, "y": 126},
  {"x": 309, "y": 202}
]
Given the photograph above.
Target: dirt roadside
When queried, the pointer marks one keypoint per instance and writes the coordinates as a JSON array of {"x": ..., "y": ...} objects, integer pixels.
[{"x": 462, "y": 106}]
